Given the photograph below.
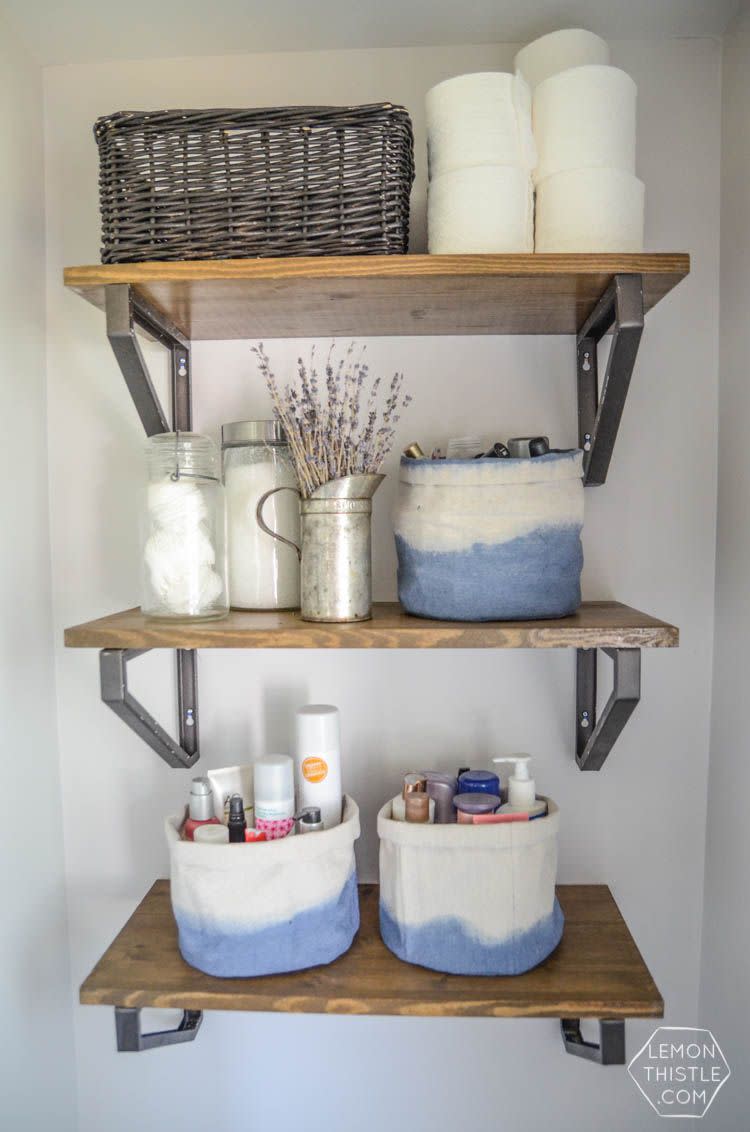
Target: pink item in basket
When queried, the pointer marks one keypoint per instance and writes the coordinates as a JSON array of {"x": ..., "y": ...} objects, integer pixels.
[{"x": 273, "y": 830}]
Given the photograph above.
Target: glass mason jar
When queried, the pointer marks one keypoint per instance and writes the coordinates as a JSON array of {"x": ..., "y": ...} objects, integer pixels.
[
  {"x": 263, "y": 572},
  {"x": 183, "y": 529}
]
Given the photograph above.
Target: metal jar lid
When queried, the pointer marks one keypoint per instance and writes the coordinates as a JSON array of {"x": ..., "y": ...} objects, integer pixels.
[{"x": 238, "y": 433}]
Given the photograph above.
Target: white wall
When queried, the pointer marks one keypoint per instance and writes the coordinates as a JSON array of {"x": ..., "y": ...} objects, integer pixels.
[
  {"x": 725, "y": 988},
  {"x": 37, "y": 1026},
  {"x": 649, "y": 541}
]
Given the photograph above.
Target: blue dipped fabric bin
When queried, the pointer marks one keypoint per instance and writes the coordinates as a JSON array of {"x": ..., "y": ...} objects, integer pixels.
[
  {"x": 491, "y": 539},
  {"x": 269, "y": 907},
  {"x": 470, "y": 899}
]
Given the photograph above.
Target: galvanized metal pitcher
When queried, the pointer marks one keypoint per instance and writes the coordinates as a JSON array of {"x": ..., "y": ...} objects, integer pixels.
[{"x": 335, "y": 555}]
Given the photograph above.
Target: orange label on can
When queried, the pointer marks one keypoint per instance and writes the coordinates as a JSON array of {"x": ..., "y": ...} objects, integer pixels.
[{"x": 314, "y": 769}]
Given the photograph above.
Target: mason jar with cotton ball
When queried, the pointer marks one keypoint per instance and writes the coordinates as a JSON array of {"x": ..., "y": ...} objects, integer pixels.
[
  {"x": 264, "y": 572},
  {"x": 184, "y": 571}
]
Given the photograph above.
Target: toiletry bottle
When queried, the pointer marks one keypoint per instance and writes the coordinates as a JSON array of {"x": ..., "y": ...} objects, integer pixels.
[
  {"x": 200, "y": 807},
  {"x": 414, "y": 783},
  {"x": 417, "y": 807},
  {"x": 478, "y": 782},
  {"x": 209, "y": 834},
  {"x": 310, "y": 820},
  {"x": 442, "y": 788},
  {"x": 273, "y": 777},
  {"x": 522, "y": 789},
  {"x": 318, "y": 761},
  {"x": 469, "y": 804},
  {"x": 237, "y": 823}
]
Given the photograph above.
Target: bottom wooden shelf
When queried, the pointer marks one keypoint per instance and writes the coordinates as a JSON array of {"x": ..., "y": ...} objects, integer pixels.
[{"x": 596, "y": 972}]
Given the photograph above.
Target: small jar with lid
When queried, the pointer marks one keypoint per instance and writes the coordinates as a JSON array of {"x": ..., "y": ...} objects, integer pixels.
[
  {"x": 263, "y": 572},
  {"x": 183, "y": 529}
]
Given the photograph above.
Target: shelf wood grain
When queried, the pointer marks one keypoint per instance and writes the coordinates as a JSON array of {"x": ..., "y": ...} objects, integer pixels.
[
  {"x": 380, "y": 295},
  {"x": 597, "y": 971},
  {"x": 602, "y": 624}
]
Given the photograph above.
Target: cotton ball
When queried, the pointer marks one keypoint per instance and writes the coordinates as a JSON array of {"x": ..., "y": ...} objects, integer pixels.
[{"x": 177, "y": 504}]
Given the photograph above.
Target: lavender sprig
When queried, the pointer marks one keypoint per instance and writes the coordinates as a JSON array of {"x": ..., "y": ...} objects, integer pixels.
[{"x": 335, "y": 426}]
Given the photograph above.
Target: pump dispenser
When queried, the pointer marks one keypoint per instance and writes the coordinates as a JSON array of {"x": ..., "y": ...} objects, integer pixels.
[{"x": 522, "y": 788}]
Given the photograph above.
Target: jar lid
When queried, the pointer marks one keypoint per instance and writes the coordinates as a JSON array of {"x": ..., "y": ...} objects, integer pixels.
[
  {"x": 252, "y": 432},
  {"x": 479, "y": 782},
  {"x": 476, "y": 803}
]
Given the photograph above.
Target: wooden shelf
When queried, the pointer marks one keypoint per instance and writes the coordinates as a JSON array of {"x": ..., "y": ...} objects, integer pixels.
[
  {"x": 597, "y": 624},
  {"x": 380, "y": 295},
  {"x": 597, "y": 971}
]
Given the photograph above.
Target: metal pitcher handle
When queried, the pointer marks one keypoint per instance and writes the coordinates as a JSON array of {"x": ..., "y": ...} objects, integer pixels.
[{"x": 264, "y": 526}]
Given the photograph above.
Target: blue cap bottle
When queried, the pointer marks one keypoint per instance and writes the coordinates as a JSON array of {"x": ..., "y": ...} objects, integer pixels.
[{"x": 478, "y": 782}]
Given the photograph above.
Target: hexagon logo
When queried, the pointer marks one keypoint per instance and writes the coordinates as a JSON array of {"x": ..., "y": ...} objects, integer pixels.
[{"x": 680, "y": 1070}]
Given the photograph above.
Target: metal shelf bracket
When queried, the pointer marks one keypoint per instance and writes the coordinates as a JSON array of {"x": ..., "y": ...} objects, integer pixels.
[
  {"x": 611, "y": 1047},
  {"x": 125, "y": 311},
  {"x": 130, "y": 1039},
  {"x": 599, "y": 413},
  {"x": 595, "y": 738},
  {"x": 114, "y": 684}
]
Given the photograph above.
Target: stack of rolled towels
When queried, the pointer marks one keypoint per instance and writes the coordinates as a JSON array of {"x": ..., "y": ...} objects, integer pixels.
[{"x": 574, "y": 118}]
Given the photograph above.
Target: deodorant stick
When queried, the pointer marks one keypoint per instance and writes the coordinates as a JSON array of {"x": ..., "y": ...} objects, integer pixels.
[
  {"x": 273, "y": 777},
  {"x": 317, "y": 761}
]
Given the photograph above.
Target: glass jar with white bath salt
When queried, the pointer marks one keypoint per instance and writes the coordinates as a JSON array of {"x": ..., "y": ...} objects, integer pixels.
[
  {"x": 183, "y": 529},
  {"x": 263, "y": 572}
]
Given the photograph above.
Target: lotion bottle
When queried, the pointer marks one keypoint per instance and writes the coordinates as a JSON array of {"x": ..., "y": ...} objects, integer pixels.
[
  {"x": 200, "y": 807},
  {"x": 317, "y": 761},
  {"x": 522, "y": 797}
]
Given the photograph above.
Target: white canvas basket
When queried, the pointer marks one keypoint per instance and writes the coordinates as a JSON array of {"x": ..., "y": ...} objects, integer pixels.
[
  {"x": 470, "y": 899},
  {"x": 267, "y": 907}
]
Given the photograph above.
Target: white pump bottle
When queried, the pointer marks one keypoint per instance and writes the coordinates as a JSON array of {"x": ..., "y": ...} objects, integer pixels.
[{"x": 522, "y": 788}]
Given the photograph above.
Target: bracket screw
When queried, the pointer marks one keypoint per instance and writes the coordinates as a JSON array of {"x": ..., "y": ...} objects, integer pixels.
[
  {"x": 584, "y": 719},
  {"x": 189, "y": 720},
  {"x": 587, "y": 441}
]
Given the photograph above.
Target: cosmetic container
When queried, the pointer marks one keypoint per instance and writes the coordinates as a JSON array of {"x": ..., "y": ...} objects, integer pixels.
[
  {"x": 318, "y": 761},
  {"x": 417, "y": 807},
  {"x": 310, "y": 820},
  {"x": 469, "y": 804},
  {"x": 200, "y": 807},
  {"x": 229, "y": 780},
  {"x": 478, "y": 782},
  {"x": 273, "y": 776},
  {"x": 415, "y": 782},
  {"x": 237, "y": 823},
  {"x": 522, "y": 788},
  {"x": 442, "y": 788},
  {"x": 211, "y": 834}
]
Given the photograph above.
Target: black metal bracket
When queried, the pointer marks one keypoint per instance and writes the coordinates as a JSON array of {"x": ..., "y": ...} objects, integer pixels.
[
  {"x": 611, "y": 1047},
  {"x": 114, "y": 684},
  {"x": 599, "y": 412},
  {"x": 130, "y": 1039},
  {"x": 126, "y": 311},
  {"x": 595, "y": 738}
]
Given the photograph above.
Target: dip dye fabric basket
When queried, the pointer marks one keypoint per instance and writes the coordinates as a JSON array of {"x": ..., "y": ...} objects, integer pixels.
[
  {"x": 269, "y": 907},
  {"x": 467, "y": 899},
  {"x": 490, "y": 540}
]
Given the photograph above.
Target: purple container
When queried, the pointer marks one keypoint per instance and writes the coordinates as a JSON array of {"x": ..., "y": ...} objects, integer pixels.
[
  {"x": 469, "y": 804},
  {"x": 442, "y": 788}
]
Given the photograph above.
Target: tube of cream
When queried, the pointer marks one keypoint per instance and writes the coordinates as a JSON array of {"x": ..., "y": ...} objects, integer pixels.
[
  {"x": 225, "y": 782},
  {"x": 496, "y": 819}
]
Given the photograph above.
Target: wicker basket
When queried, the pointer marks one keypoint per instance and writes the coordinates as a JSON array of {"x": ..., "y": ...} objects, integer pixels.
[{"x": 218, "y": 184}]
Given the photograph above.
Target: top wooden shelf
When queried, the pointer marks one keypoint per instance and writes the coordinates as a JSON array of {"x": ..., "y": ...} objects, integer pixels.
[{"x": 380, "y": 295}]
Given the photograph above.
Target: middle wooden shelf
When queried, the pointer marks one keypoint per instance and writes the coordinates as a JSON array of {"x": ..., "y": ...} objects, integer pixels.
[{"x": 597, "y": 624}]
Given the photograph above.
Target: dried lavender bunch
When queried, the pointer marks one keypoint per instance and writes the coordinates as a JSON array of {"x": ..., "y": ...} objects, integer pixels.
[{"x": 334, "y": 421}]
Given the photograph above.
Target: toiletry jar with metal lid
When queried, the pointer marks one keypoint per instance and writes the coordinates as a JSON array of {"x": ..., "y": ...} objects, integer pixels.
[
  {"x": 490, "y": 539},
  {"x": 268, "y": 907},
  {"x": 470, "y": 899}
]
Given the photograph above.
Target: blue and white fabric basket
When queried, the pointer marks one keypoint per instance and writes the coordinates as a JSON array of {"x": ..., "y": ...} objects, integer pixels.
[
  {"x": 267, "y": 907},
  {"x": 470, "y": 899},
  {"x": 492, "y": 539}
]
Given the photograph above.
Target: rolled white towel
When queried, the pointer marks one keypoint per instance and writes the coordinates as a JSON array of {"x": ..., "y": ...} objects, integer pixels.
[
  {"x": 479, "y": 119},
  {"x": 558, "y": 51},
  {"x": 486, "y": 208},
  {"x": 585, "y": 118},
  {"x": 590, "y": 210}
]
